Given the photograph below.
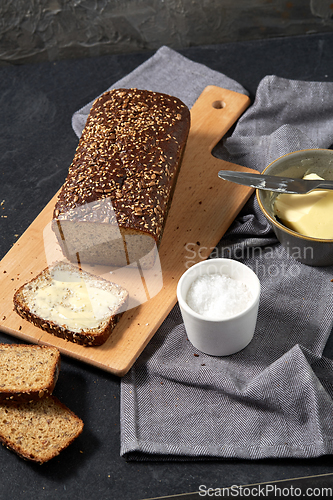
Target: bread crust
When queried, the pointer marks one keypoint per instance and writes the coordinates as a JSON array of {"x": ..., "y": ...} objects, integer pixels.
[{"x": 87, "y": 338}]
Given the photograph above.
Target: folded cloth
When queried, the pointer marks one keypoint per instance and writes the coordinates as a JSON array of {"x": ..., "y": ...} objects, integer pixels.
[
  {"x": 164, "y": 72},
  {"x": 287, "y": 115},
  {"x": 275, "y": 397}
]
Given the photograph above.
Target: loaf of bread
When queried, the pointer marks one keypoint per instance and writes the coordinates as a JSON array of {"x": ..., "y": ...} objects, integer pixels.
[
  {"x": 114, "y": 203},
  {"x": 38, "y": 430},
  {"x": 27, "y": 372},
  {"x": 72, "y": 304}
]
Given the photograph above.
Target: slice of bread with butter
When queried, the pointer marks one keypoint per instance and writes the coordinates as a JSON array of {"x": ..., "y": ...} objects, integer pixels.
[{"x": 72, "y": 304}]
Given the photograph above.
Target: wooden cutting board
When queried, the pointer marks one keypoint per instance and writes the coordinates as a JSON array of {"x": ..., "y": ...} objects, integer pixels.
[{"x": 202, "y": 209}]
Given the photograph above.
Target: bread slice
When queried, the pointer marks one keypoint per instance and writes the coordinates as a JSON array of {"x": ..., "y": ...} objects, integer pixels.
[
  {"x": 72, "y": 304},
  {"x": 27, "y": 372},
  {"x": 38, "y": 430}
]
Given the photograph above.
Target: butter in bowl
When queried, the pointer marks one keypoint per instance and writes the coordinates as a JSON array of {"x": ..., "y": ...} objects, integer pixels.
[
  {"x": 303, "y": 223},
  {"x": 309, "y": 214},
  {"x": 219, "y": 300}
]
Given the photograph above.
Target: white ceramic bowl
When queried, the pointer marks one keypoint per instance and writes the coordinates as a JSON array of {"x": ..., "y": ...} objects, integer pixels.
[{"x": 220, "y": 337}]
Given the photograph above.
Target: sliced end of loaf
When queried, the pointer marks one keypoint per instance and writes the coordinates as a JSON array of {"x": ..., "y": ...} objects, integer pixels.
[{"x": 110, "y": 245}]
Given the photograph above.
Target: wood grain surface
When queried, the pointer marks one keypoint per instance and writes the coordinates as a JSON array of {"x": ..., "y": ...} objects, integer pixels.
[{"x": 202, "y": 209}]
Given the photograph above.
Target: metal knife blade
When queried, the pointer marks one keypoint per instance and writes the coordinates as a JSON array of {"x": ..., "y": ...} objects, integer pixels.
[{"x": 274, "y": 182}]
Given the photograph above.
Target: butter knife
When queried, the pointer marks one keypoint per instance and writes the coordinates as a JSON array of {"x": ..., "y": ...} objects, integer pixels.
[{"x": 274, "y": 182}]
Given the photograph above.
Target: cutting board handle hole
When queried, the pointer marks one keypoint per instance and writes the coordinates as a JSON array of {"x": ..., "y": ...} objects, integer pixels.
[{"x": 218, "y": 104}]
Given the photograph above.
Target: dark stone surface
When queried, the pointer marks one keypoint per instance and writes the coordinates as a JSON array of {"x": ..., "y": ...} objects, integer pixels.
[
  {"x": 37, "y": 145},
  {"x": 50, "y": 30}
]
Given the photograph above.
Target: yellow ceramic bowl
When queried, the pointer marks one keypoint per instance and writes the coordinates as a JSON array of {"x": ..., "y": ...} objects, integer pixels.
[{"x": 310, "y": 251}]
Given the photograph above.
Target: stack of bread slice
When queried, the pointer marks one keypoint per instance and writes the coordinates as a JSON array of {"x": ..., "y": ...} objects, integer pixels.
[{"x": 33, "y": 422}]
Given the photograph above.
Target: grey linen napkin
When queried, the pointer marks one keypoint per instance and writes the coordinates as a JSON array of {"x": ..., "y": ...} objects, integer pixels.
[
  {"x": 274, "y": 398},
  {"x": 169, "y": 72}
]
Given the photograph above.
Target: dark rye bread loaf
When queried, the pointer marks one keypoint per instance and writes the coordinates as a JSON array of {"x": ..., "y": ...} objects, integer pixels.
[
  {"x": 27, "y": 372},
  {"x": 72, "y": 304},
  {"x": 114, "y": 203}
]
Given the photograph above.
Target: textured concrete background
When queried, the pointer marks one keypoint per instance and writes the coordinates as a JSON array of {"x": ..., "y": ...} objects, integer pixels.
[{"x": 37, "y": 30}]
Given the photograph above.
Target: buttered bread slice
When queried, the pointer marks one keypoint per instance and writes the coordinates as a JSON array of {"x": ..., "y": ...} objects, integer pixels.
[{"x": 72, "y": 304}]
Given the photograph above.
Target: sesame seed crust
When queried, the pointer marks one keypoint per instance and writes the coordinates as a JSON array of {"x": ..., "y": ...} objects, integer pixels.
[{"x": 127, "y": 161}]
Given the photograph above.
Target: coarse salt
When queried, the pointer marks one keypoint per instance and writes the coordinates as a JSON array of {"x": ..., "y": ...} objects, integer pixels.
[{"x": 216, "y": 296}]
